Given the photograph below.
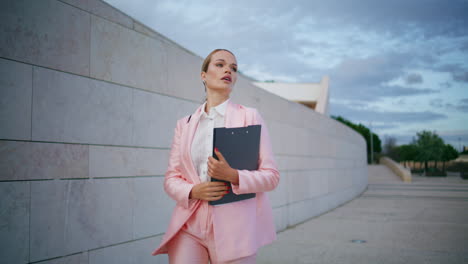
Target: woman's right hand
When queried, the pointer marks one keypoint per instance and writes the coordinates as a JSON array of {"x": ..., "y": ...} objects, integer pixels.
[{"x": 209, "y": 191}]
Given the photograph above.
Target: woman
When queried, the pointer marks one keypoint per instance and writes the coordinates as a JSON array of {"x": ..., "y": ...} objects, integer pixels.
[{"x": 227, "y": 233}]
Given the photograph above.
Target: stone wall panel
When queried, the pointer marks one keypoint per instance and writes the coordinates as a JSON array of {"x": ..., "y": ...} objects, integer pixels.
[
  {"x": 47, "y": 33},
  {"x": 15, "y": 100},
  {"x": 280, "y": 214},
  {"x": 14, "y": 222},
  {"x": 32, "y": 160},
  {"x": 80, "y": 258},
  {"x": 155, "y": 118},
  {"x": 152, "y": 207},
  {"x": 183, "y": 74},
  {"x": 134, "y": 252},
  {"x": 145, "y": 67},
  {"x": 48, "y": 219},
  {"x": 81, "y": 4},
  {"x": 99, "y": 213},
  {"x": 105, "y": 161},
  {"x": 69, "y": 108},
  {"x": 104, "y": 10},
  {"x": 279, "y": 196}
]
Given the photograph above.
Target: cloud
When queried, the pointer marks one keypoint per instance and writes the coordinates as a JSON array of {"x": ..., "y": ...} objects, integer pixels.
[
  {"x": 460, "y": 76},
  {"x": 384, "y": 126},
  {"x": 445, "y": 84},
  {"x": 436, "y": 103},
  {"x": 414, "y": 78},
  {"x": 458, "y": 71},
  {"x": 303, "y": 40},
  {"x": 464, "y": 46},
  {"x": 457, "y": 138},
  {"x": 391, "y": 117},
  {"x": 367, "y": 79},
  {"x": 372, "y": 50},
  {"x": 433, "y": 18},
  {"x": 395, "y": 90},
  {"x": 461, "y": 105},
  {"x": 402, "y": 139},
  {"x": 449, "y": 67}
]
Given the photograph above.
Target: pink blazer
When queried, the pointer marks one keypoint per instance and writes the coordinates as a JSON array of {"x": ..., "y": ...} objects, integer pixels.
[{"x": 240, "y": 228}]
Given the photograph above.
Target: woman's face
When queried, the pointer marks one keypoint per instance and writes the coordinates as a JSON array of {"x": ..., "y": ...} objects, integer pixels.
[{"x": 222, "y": 72}]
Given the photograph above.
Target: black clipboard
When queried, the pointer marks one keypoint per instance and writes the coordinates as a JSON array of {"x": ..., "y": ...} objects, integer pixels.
[{"x": 240, "y": 147}]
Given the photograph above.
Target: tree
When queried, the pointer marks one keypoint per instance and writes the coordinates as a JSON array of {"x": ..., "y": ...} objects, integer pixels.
[
  {"x": 449, "y": 153},
  {"x": 390, "y": 148},
  {"x": 377, "y": 143},
  {"x": 407, "y": 152},
  {"x": 430, "y": 147},
  {"x": 365, "y": 132}
]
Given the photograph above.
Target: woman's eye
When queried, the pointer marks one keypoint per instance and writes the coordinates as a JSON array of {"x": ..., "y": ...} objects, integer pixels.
[
  {"x": 219, "y": 65},
  {"x": 234, "y": 69}
]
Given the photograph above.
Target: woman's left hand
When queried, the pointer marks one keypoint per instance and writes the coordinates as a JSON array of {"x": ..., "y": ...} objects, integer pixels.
[{"x": 220, "y": 169}]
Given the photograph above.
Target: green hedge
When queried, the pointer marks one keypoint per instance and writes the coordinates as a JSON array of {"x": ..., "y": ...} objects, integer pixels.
[
  {"x": 461, "y": 167},
  {"x": 433, "y": 172}
]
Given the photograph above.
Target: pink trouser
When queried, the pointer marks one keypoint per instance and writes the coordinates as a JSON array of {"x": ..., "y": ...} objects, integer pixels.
[{"x": 194, "y": 243}]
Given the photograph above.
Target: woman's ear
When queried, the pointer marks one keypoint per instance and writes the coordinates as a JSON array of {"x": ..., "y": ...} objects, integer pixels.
[
  {"x": 203, "y": 80},
  {"x": 203, "y": 75}
]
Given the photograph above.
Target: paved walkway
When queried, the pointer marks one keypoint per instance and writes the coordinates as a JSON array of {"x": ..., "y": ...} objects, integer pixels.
[{"x": 421, "y": 222}]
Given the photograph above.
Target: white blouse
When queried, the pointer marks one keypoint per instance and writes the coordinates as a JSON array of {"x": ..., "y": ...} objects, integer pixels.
[{"x": 202, "y": 145}]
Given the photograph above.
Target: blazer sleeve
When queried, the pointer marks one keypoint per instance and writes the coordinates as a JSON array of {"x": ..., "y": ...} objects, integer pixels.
[
  {"x": 266, "y": 178},
  {"x": 175, "y": 185}
]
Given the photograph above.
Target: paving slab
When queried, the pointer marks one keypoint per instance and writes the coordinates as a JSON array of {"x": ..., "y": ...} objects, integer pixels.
[{"x": 425, "y": 221}]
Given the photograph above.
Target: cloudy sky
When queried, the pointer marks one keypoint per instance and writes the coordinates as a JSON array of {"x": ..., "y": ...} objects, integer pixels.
[{"x": 401, "y": 65}]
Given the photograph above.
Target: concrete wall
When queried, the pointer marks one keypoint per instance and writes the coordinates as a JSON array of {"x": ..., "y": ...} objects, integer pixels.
[
  {"x": 89, "y": 98},
  {"x": 312, "y": 95},
  {"x": 324, "y": 97},
  {"x": 397, "y": 168}
]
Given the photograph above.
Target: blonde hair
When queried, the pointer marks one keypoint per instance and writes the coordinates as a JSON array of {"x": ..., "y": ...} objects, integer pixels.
[{"x": 206, "y": 62}]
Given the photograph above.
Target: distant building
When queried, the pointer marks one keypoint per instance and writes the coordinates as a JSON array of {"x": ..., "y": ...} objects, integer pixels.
[
  {"x": 313, "y": 95},
  {"x": 463, "y": 157}
]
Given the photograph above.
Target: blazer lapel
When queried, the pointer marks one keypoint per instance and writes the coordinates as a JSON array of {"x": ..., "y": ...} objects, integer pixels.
[
  {"x": 192, "y": 128},
  {"x": 235, "y": 115}
]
